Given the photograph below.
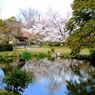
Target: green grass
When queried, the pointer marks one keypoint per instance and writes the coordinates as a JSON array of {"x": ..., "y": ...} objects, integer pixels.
[
  {"x": 85, "y": 51},
  {"x": 61, "y": 50}
]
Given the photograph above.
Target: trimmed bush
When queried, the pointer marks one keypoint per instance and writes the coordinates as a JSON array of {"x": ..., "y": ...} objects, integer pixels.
[
  {"x": 26, "y": 55},
  {"x": 7, "y": 47}
]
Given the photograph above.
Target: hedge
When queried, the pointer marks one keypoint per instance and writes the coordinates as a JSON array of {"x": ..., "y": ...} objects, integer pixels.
[{"x": 7, "y": 47}]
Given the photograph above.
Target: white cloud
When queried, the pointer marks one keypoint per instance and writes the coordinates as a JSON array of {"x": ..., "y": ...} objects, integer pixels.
[{"x": 11, "y": 7}]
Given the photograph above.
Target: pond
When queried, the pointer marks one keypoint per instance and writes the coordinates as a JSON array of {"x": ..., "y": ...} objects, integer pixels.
[
  {"x": 1, "y": 79},
  {"x": 51, "y": 76}
]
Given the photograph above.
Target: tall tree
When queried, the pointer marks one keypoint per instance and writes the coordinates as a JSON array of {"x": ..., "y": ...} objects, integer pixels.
[
  {"x": 57, "y": 22},
  {"x": 28, "y": 17},
  {"x": 9, "y": 28},
  {"x": 81, "y": 25}
]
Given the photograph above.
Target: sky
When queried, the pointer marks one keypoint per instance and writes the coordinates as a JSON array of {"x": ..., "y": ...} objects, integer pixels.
[{"x": 11, "y": 7}]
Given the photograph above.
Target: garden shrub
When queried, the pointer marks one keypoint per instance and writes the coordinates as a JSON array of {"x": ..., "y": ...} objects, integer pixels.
[
  {"x": 6, "y": 59},
  {"x": 26, "y": 55},
  {"x": 6, "y": 47},
  {"x": 56, "y": 44}
]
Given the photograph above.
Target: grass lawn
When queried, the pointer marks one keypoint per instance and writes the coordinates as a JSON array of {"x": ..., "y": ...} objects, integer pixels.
[
  {"x": 62, "y": 50},
  {"x": 85, "y": 51}
]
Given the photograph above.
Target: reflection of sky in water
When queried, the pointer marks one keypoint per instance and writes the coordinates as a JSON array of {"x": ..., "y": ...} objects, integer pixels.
[
  {"x": 1, "y": 76},
  {"x": 37, "y": 88},
  {"x": 54, "y": 83},
  {"x": 1, "y": 72},
  {"x": 41, "y": 88},
  {"x": 1, "y": 85},
  {"x": 48, "y": 87}
]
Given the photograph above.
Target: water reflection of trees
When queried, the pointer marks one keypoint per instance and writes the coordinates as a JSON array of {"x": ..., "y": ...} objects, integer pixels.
[
  {"x": 61, "y": 71},
  {"x": 53, "y": 86},
  {"x": 85, "y": 85},
  {"x": 78, "y": 75}
]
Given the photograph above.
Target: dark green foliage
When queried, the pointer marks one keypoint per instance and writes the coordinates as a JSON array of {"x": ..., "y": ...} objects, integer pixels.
[
  {"x": 75, "y": 68},
  {"x": 92, "y": 57},
  {"x": 83, "y": 4},
  {"x": 81, "y": 57},
  {"x": 84, "y": 15},
  {"x": 56, "y": 44},
  {"x": 6, "y": 63},
  {"x": 52, "y": 50},
  {"x": 17, "y": 80},
  {"x": 7, "y": 47},
  {"x": 4, "y": 92},
  {"x": 82, "y": 25},
  {"x": 26, "y": 55},
  {"x": 82, "y": 88},
  {"x": 85, "y": 85},
  {"x": 51, "y": 44},
  {"x": 49, "y": 54},
  {"x": 6, "y": 59},
  {"x": 2, "y": 23}
]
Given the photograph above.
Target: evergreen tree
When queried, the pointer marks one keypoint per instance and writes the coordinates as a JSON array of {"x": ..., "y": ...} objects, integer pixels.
[{"x": 81, "y": 25}]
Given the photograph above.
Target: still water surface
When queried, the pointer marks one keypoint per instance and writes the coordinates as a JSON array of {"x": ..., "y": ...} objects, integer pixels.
[{"x": 50, "y": 77}]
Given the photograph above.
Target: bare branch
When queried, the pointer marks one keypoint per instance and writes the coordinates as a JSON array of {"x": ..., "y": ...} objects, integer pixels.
[{"x": 28, "y": 17}]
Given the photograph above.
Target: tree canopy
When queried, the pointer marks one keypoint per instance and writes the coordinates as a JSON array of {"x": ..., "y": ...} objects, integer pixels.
[
  {"x": 81, "y": 25},
  {"x": 9, "y": 28}
]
